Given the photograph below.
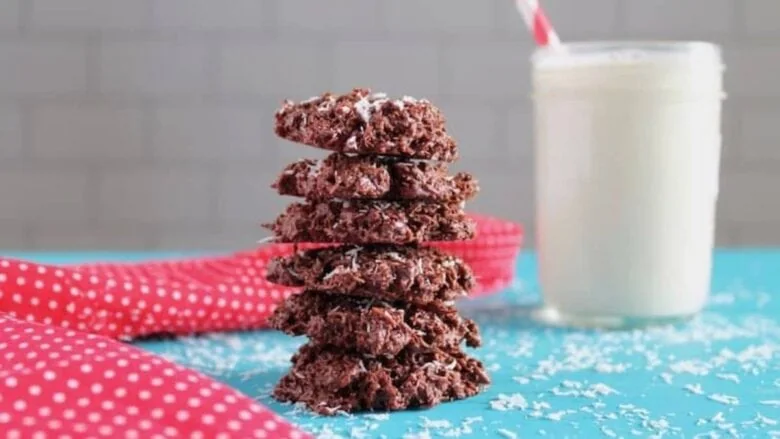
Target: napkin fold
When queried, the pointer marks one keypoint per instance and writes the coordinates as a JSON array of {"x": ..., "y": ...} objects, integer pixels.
[{"x": 62, "y": 383}]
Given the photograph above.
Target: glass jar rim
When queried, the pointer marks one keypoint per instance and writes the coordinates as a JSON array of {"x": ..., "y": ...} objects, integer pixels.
[{"x": 650, "y": 47}]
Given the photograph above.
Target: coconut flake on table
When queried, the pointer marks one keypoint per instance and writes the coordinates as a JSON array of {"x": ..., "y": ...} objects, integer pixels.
[
  {"x": 611, "y": 368},
  {"x": 728, "y": 377},
  {"x": 693, "y": 367},
  {"x": 359, "y": 433},
  {"x": 378, "y": 416},
  {"x": 608, "y": 432},
  {"x": 557, "y": 416},
  {"x": 521, "y": 380},
  {"x": 509, "y": 402},
  {"x": 420, "y": 435},
  {"x": 448, "y": 430},
  {"x": 695, "y": 389},
  {"x": 724, "y": 399},
  {"x": 435, "y": 424},
  {"x": 577, "y": 389}
]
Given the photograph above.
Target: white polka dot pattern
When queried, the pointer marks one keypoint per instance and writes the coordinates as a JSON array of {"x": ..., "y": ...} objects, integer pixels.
[
  {"x": 80, "y": 385},
  {"x": 202, "y": 294}
]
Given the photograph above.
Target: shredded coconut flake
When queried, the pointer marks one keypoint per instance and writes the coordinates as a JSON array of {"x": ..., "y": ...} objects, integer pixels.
[
  {"x": 378, "y": 416},
  {"x": 729, "y": 377},
  {"x": 509, "y": 402},
  {"x": 691, "y": 367},
  {"x": 427, "y": 423},
  {"x": 521, "y": 380},
  {"x": 611, "y": 368},
  {"x": 363, "y": 107},
  {"x": 724, "y": 399},
  {"x": 608, "y": 432},
  {"x": 556, "y": 416},
  {"x": 352, "y": 142},
  {"x": 695, "y": 389}
]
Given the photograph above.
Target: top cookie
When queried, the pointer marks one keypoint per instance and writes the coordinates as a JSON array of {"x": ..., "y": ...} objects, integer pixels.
[{"x": 360, "y": 122}]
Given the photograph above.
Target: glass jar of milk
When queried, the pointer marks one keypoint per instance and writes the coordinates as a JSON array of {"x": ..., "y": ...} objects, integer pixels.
[{"x": 628, "y": 141}]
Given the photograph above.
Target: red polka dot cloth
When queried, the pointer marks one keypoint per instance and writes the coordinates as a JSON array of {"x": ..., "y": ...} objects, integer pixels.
[
  {"x": 61, "y": 383},
  {"x": 62, "y": 375},
  {"x": 201, "y": 294}
]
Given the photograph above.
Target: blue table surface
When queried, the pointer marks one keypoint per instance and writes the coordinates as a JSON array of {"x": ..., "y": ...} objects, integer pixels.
[{"x": 715, "y": 376}]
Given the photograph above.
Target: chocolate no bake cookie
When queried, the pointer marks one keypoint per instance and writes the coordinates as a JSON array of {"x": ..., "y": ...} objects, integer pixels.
[
  {"x": 328, "y": 380},
  {"x": 378, "y": 305},
  {"x": 381, "y": 222},
  {"x": 362, "y": 122},
  {"x": 367, "y": 177},
  {"x": 372, "y": 327},
  {"x": 411, "y": 274}
]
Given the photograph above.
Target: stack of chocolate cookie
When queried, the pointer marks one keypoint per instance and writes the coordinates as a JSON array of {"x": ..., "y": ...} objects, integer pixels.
[{"x": 377, "y": 305}]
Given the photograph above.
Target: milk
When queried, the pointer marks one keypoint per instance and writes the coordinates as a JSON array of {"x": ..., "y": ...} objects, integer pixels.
[{"x": 628, "y": 143}]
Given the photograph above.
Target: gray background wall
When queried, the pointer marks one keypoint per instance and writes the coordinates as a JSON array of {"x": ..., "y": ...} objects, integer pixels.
[{"x": 147, "y": 123}]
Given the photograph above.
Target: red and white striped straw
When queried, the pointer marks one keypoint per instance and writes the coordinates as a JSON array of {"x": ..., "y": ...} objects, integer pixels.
[{"x": 537, "y": 22}]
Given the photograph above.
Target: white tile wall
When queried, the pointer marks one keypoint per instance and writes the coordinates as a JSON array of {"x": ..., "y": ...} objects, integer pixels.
[
  {"x": 148, "y": 123},
  {"x": 429, "y": 16},
  {"x": 495, "y": 71},
  {"x": 476, "y": 127},
  {"x": 760, "y": 133},
  {"x": 273, "y": 68},
  {"x": 65, "y": 236},
  {"x": 688, "y": 18},
  {"x": 750, "y": 196},
  {"x": 572, "y": 19},
  {"x": 104, "y": 15},
  {"x": 10, "y": 131},
  {"x": 157, "y": 195},
  {"x": 518, "y": 142},
  {"x": 246, "y": 197},
  {"x": 397, "y": 67},
  {"x": 761, "y": 17},
  {"x": 44, "y": 195},
  {"x": 341, "y": 16},
  {"x": 223, "y": 133},
  {"x": 153, "y": 68},
  {"x": 752, "y": 71},
  {"x": 42, "y": 67},
  {"x": 210, "y": 15},
  {"x": 87, "y": 132},
  {"x": 9, "y": 19}
]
